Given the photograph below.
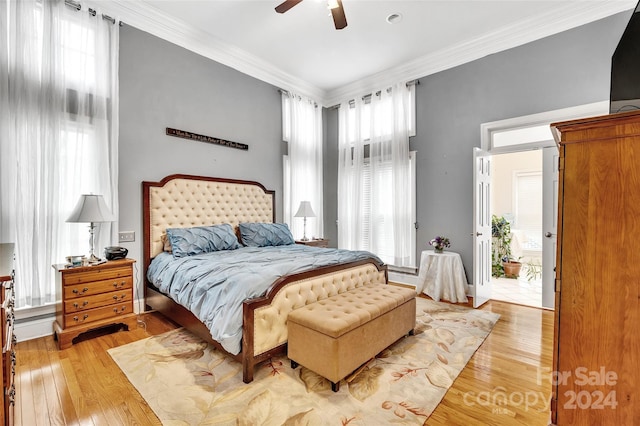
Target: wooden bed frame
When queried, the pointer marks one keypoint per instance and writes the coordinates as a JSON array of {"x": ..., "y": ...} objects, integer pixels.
[{"x": 185, "y": 201}]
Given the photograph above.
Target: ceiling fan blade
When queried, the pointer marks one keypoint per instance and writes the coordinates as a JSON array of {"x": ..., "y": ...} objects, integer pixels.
[
  {"x": 286, "y": 5},
  {"x": 339, "y": 18}
]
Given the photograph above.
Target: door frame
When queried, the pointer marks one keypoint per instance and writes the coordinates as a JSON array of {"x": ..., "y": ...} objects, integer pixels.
[{"x": 544, "y": 118}]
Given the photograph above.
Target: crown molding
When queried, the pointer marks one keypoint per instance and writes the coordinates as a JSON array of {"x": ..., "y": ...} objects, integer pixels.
[
  {"x": 516, "y": 34},
  {"x": 145, "y": 17}
]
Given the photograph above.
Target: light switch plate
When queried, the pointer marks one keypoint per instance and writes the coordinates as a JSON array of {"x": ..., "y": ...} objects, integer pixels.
[{"x": 126, "y": 236}]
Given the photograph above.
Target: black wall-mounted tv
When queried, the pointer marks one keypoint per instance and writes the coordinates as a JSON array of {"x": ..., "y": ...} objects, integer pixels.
[{"x": 625, "y": 68}]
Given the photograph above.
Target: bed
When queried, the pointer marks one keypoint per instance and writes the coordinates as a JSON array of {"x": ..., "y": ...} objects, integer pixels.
[{"x": 184, "y": 201}]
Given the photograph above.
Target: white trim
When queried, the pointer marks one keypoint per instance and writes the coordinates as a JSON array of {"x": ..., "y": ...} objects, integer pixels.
[
  {"x": 412, "y": 279},
  {"x": 35, "y": 328},
  {"x": 400, "y": 278},
  {"x": 37, "y": 311},
  {"x": 546, "y": 118},
  {"x": 144, "y": 16},
  {"x": 518, "y": 33}
]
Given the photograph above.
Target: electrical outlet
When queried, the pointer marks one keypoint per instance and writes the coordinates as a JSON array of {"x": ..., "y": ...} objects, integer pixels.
[{"x": 126, "y": 236}]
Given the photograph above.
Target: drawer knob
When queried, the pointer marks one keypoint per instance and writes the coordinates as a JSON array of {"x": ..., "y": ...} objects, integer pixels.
[
  {"x": 84, "y": 317},
  {"x": 75, "y": 290},
  {"x": 122, "y": 309}
]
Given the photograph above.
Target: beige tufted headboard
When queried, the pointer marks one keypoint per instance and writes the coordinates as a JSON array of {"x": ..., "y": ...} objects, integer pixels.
[{"x": 181, "y": 201}]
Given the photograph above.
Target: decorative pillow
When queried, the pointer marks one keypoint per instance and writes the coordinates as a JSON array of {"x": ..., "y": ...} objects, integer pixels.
[
  {"x": 265, "y": 234},
  {"x": 201, "y": 239},
  {"x": 166, "y": 244}
]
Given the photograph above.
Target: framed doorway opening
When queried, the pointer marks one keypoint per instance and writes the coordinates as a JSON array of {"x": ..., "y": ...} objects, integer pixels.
[{"x": 522, "y": 135}]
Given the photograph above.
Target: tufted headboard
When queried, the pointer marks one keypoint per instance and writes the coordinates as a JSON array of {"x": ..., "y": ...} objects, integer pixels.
[{"x": 181, "y": 201}]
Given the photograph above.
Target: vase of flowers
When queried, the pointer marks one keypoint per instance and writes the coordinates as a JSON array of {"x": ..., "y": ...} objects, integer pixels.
[{"x": 439, "y": 243}]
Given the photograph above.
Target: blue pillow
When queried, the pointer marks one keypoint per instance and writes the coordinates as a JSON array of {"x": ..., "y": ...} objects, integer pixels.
[
  {"x": 202, "y": 239},
  {"x": 265, "y": 234}
]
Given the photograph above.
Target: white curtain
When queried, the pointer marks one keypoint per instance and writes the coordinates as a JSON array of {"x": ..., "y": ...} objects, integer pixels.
[
  {"x": 374, "y": 186},
  {"x": 352, "y": 197},
  {"x": 61, "y": 137},
  {"x": 302, "y": 129}
]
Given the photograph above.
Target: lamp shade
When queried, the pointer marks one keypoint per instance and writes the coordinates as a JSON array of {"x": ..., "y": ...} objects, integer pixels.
[
  {"x": 305, "y": 210},
  {"x": 91, "y": 208}
]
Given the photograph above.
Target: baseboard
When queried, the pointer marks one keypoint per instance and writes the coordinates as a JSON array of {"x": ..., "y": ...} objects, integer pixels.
[
  {"x": 412, "y": 280},
  {"x": 400, "y": 278},
  {"x": 32, "y": 328}
]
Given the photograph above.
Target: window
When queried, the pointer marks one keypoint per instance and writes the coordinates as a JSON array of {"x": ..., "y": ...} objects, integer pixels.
[
  {"x": 378, "y": 231},
  {"x": 61, "y": 137},
  {"x": 302, "y": 173},
  {"x": 376, "y": 176},
  {"x": 528, "y": 209}
]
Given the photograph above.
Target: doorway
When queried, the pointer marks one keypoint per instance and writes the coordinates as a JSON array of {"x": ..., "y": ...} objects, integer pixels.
[
  {"x": 517, "y": 197},
  {"x": 522, "y": 134}
]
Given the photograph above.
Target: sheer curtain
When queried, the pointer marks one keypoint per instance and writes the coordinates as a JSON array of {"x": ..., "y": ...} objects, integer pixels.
[
  {"x": 353, "y": 229},
  {"x": 61, "y": 137},
  {"x": 302, "y": 129},
  {"x": 374, "y": 197}
]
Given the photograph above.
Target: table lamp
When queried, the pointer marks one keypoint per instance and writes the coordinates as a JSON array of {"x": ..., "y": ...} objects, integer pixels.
[
  {"x": 305, "y": 211},
  {"x": 91, "y": 209}
]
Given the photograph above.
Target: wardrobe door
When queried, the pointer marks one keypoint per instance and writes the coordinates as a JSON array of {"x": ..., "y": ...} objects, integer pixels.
[{"x": 597, "y": 321}]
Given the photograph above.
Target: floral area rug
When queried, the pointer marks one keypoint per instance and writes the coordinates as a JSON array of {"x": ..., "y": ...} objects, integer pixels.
[{"x": 188, "y": 382}]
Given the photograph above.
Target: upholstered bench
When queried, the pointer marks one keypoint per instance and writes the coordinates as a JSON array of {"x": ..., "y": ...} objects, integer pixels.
[{"x": 335, "y": 336}]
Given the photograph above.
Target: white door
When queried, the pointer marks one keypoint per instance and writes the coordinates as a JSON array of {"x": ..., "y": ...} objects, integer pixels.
[
  {"x": 481, "y": 227},
  {"x": 549, "y": 223}
]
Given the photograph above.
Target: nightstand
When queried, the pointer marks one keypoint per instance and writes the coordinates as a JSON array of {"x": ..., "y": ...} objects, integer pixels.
[
  {"x": 92, "y": 297},
  {"x": 321, "y": 242}
]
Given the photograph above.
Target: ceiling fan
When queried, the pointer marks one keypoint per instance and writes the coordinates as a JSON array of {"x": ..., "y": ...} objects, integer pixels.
[{"x": 339, "y": 18}]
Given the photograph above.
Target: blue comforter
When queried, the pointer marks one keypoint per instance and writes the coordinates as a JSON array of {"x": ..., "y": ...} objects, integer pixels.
[{"x": 214, "y": 285}]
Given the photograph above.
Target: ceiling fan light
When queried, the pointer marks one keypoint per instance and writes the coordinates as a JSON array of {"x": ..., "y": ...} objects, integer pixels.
[{"x": 332, "y": 4}]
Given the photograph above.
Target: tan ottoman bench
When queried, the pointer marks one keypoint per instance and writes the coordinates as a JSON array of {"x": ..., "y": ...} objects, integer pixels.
[{"x": 335, "y": 336}]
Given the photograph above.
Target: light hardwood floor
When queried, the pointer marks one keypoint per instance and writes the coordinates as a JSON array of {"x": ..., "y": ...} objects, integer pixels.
[{"x": 83, "y": 386}]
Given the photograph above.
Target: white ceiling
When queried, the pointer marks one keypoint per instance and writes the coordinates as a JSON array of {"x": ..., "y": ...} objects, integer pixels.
[{"x": 300, "y": 50}]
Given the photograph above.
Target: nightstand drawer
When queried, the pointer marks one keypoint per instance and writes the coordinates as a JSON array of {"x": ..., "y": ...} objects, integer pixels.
[
  {"x": 96, "y": 314},
  {"x": 97, "y": 287},
  {"x": 95, "y": 274},
  {"x": 89, "y": 302}
]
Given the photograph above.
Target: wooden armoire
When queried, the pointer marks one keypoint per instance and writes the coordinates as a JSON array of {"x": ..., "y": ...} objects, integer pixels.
[{"x": 596, "y": 377}]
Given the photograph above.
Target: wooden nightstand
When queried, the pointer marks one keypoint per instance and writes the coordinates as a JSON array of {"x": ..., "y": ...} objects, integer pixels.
[
  {"x": 92, "y": 297},
  {"x": 316, "y": 243}
]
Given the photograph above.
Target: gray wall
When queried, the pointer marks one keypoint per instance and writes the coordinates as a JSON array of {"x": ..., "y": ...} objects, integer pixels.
[
  {"x": 163, "y": 85},
  {"x": 330, "y": 174},
  {"x": 567, "y": 69}
]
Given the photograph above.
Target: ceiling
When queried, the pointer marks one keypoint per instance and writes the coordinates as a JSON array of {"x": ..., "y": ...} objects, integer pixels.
[{"x": 301, "y": 50}]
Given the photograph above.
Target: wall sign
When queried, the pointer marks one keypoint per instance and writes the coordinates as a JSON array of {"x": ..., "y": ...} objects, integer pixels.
[{"x": 208, "y": 139}]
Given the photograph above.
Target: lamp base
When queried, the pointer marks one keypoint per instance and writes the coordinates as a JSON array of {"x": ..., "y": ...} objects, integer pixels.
[
  {"x": 304, "y": 239},
  {"x": 94, "y": 259}
]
